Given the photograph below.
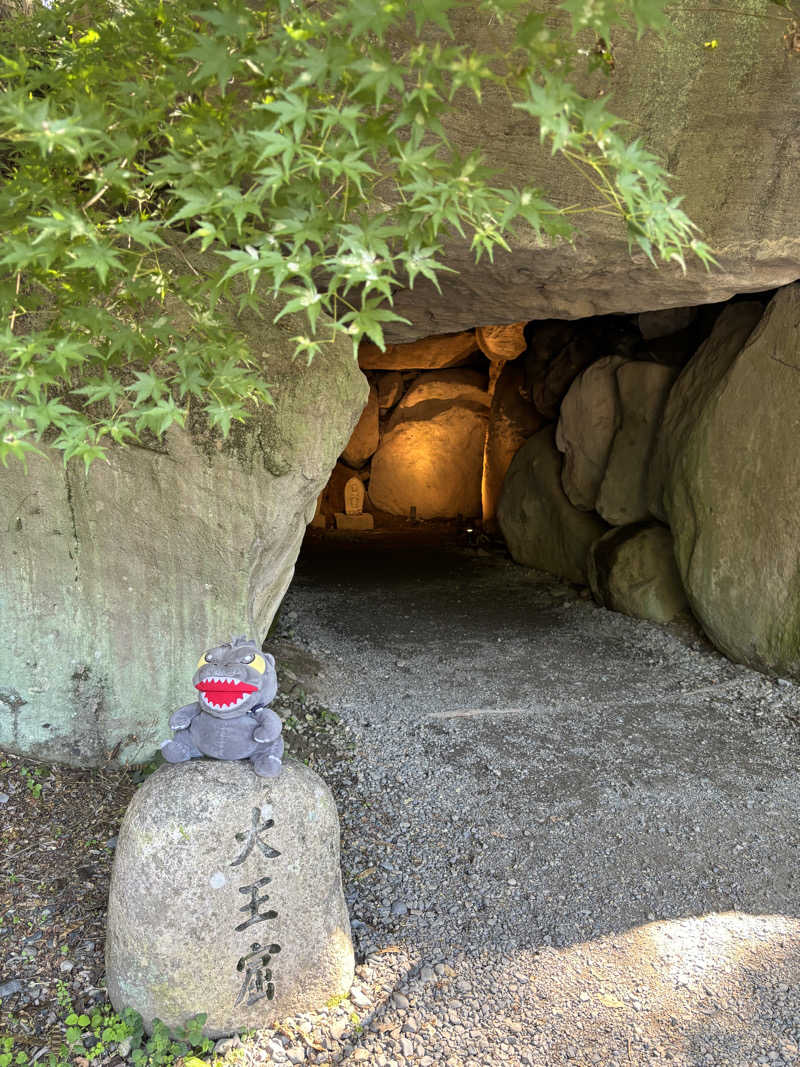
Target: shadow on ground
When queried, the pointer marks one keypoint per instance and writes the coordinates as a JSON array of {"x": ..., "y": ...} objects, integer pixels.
[{"x": 592, "y": 822}]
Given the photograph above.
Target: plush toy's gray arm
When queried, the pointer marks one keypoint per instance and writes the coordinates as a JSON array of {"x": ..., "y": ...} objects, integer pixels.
[
  {"x": 181, "y": 718},
  {"x": 269, "y": 725}
]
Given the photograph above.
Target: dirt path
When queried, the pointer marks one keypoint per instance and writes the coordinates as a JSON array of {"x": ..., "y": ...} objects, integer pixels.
[{"x": 568, "y": 836}]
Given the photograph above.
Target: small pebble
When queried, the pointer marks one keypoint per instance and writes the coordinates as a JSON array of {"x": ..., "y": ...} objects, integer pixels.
[{"x": 359, "y": 998}]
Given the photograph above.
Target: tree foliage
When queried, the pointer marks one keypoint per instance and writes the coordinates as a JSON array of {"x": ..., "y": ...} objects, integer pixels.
[{"x": 304, "y": 146}]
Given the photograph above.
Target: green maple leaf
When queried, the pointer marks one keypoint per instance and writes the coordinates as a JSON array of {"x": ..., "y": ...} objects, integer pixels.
[
  {"x": 96, "y": 257},
  {"x": 215, "y": 61},
  {"x": 433, "y": 11}
]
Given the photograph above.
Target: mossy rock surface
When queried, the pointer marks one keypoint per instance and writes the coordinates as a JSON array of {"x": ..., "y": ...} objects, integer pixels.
[
  {"x": 115, "y": 580},
  {"x": 723, "y": 120},
  {"x": 732, "y": 497}
]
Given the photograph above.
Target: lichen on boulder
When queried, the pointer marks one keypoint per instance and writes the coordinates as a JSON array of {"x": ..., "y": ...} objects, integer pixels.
[
  {"x": 732, "y": 491},
  {"x": 111, "y": 578},
  {"x": 226, "y": 898},
  {"x": 541, "y": 527}
]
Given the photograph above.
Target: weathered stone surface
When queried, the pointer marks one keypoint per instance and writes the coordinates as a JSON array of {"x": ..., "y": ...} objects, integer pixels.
[
  {"x": 364, "y": 438},
  {"x": 361, "y": 521},
  {"x": 549, "y": 382},
  {"x": 436, "y": 391},
  {"x": 654, "y": 324},
  {"x": 643, "y": 391},
  {"x": 226, "y": 888},
  {"x": 430, "y": 353},
  {"x": 502, "y": 342},
  {"x": 590, "y": 416},
  {"x": 390, "y": 389},
  {"x": 632, "y": 570},
  {"x": 686, "y": 115},
  {"x": 354, "y": 496},
  {"x": 541, "y": 527},
  {"x": 732, "y": 497},
  {"x": 113, "y": 582},
  {"x": 692, "y": 391},
  {"x": 545, "y": 340},
  {"x": 512, "y": 420},
  {"x": 432, "y": 464}
]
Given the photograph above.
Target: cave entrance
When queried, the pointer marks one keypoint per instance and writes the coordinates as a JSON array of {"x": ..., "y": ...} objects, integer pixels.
[{"x": 446, "y": 414}]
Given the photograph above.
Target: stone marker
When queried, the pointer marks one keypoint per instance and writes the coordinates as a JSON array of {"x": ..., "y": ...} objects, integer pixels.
[
  {"x": 354, "y": 517},
  {"x": 365, "y": 521},
  {"x": 226, "y": 898},
  {"x": 333, "y": 496},
  {"x": 354, "y": 497}
]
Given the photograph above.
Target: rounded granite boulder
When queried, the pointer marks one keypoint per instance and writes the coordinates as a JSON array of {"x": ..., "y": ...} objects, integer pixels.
[{"x": 226, "y": 898}]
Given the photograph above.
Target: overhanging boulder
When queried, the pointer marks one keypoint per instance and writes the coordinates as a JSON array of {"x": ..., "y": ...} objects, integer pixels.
[
  {"x": 735, "y": 166},
  {"x": 112, "y": 582},
  {"x": 732, "y": 496}
]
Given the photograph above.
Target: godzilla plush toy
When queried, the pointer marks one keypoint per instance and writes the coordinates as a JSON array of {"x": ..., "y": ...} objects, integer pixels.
[{"x": 231, "y": 719}]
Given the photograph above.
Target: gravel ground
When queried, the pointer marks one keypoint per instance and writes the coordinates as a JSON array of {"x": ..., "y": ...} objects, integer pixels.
[{"x": 568, "y": 837}]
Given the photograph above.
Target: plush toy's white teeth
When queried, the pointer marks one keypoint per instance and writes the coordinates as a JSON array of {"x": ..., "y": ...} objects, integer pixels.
[{"x": 225, "y": 705}]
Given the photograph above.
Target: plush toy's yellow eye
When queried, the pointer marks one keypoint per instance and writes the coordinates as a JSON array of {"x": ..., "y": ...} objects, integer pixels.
[
  {"x": 259, "y": 664},
  {"x": 204, "y": 659}
]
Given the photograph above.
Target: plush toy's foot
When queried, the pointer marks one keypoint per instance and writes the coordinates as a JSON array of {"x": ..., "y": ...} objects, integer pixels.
[
  {"x": 266, "y": 766},
  {"x": 175, "y": 752}
]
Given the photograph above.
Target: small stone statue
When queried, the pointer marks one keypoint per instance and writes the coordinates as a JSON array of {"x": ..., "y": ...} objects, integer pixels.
[{"x": 231, "y": 719}]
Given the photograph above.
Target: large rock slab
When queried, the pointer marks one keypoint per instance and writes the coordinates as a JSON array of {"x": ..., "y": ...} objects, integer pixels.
[
  {"x": 590, "y": 416},
  {"x": 226, "y": 898},
  {"x": 685, "y": 114},
  {"x": 113, "y": 581},
  {"x": 432, "y": 464},
  {"x": 643, "y": 391},
  {"x": 653, "y": 324},
  {"x": 632, "y": 570},
  {"x": 541, "y": 527},
  {"x": 435, "y": 391},
  {"x": 692, "y": 391},
  {"x": 430, "y": 353},
  {"x": 732, "y": 498},
  {"x": 512, "y": 420}
]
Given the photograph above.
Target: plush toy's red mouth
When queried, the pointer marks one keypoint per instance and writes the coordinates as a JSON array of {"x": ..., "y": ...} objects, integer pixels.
[{"x": 222, "y": 692}]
